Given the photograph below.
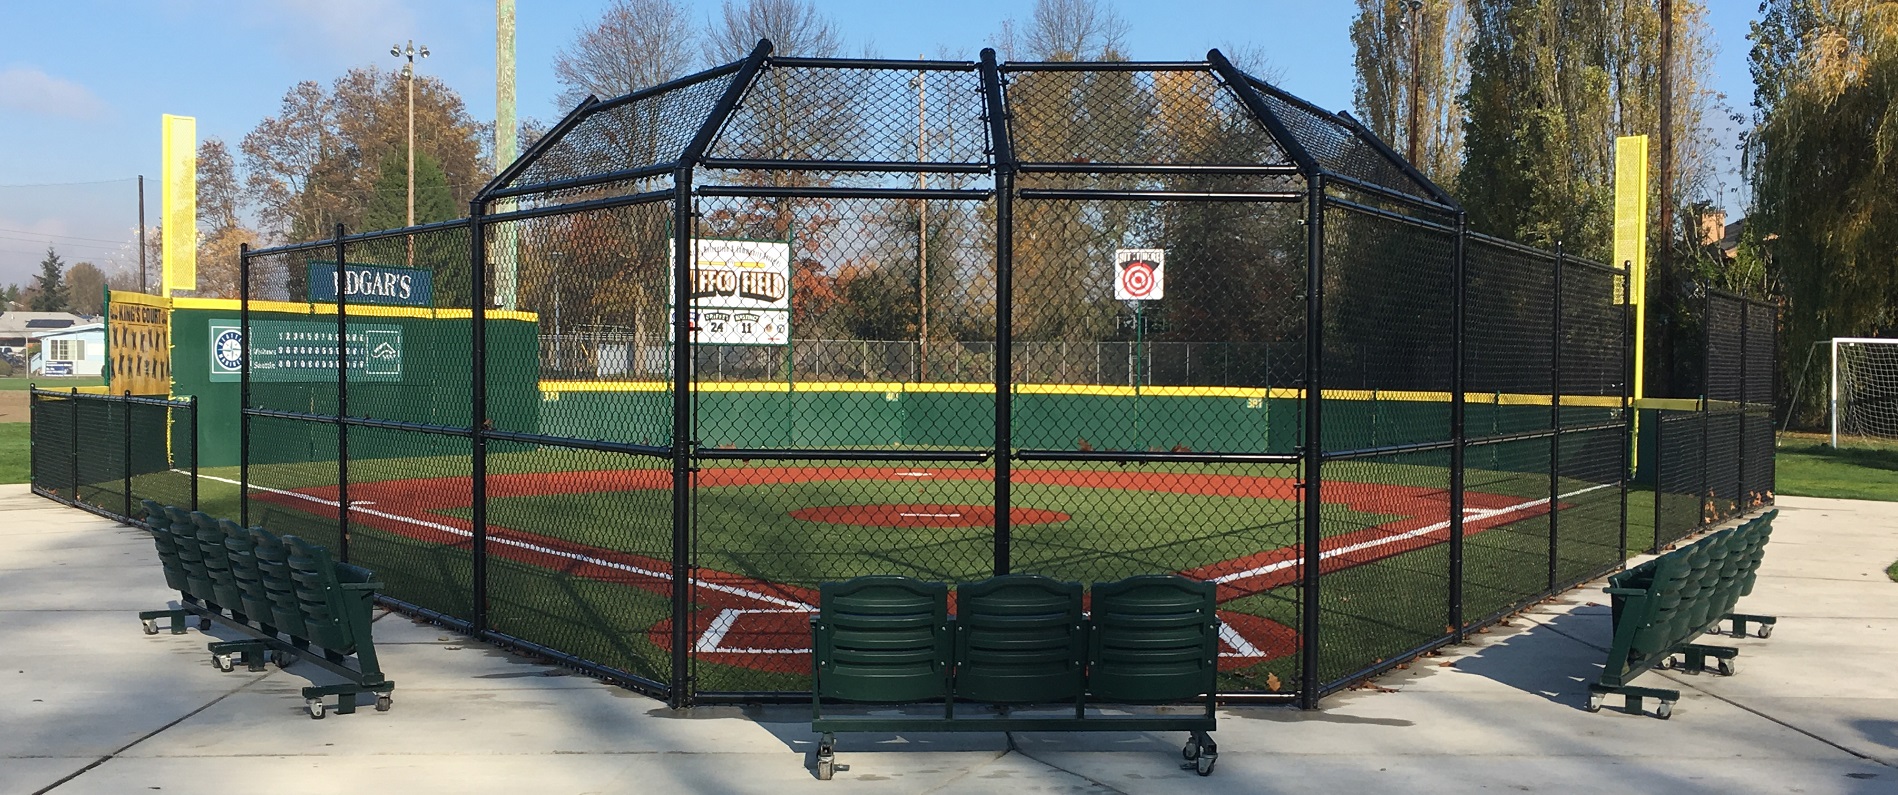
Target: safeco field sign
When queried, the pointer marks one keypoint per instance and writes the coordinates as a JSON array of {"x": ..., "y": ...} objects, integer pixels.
[{"x": 741, "y": 292}]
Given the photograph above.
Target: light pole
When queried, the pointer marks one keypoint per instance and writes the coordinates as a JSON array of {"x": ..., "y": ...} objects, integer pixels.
[
  {"x": 408, "y": 76},
  {"x": 1416, "y": 19}
]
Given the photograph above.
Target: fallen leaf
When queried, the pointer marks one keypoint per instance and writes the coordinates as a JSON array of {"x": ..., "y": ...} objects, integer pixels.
[{"x": 1272, "y": 682}]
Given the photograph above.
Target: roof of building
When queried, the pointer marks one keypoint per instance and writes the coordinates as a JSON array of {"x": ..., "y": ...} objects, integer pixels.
[
  {"x": 16, "y": 323},
  {"x": 79, "y": 329}
]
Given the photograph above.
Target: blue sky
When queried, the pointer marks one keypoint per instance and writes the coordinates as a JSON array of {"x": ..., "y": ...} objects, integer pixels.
[{"x": 83, "y": 82}]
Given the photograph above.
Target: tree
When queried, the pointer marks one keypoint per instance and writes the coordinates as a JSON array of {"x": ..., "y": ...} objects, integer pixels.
[
  {"x": 795, "y": 28},
  {"x": 85, "y": 288},
  {"x": 636, "y": 44},
  {"x": 388, "y": 204},
  {"x": 220, "y": 226},
  {"x": 50, "y": 285},
  {"x": 10, "y": 298},
  {"x": 315, "y": 163},
  {"x": 1065, "y": 30},
  {"x": 219, "y": 195},
  {"x": 1551, "y": 85},
  {"x": 1388, "y": 70},
  {"x": 1823, "y": 155}
]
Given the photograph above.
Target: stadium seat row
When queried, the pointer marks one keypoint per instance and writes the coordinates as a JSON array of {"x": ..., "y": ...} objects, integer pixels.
[
  {"x": 1016, "y": 641},
  {"x": 285, "y": 594},
  {"x": 1663, "y": 605}
]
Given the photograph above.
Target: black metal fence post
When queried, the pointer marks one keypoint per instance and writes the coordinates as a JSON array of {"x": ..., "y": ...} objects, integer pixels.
[
  {"x": 478, "y": 413},
  {"x": 342, "y": 398},
  {"x": 125, "y": 424},
  {"x": 1740, "y": 495},
  {"x": 1002, "y": 153},
  {"x": 1709, "y": 503},
  {"x": 243, "y": 395},
  {"x": 75, "y": 444},
  {"x": 1555, "y": 419},
  {"x": 193, "y": 410},
  {"x": 1457, "y": 435},
  {"x": 32, "y": 450},
  {"x": 1314, "y": 442}
]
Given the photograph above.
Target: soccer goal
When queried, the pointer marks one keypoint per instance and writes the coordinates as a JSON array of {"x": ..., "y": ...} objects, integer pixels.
[{"x": 1864, "y": 388}]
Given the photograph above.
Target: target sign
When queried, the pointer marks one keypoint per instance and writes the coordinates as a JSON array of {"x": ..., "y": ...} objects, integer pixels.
[{"x": 1139, "y": 274}]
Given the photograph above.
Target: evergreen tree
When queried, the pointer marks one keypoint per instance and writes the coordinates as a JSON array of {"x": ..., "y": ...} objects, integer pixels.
[
  {"x": 388, "y": 207},
  {"x": 51, "y": 284}
]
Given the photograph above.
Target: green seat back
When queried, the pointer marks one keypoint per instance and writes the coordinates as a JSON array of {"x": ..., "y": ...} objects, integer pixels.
[
  {"x": 1765, "y": 534},
  {"x": 273, "y": 571},
  {"x": 167, "y": 545},
  {"x": 184, "y": 534},
  {"x": 882, "y": 639},
  {"x": 1152, "y": 638},
  {"x": 241, "y": 549},
  {"x": 1658, "y": 633},
  {"x": 313, "y": 575},
  {"x": 217, "y": 561},
  {"x": 1020, "y": 638}
]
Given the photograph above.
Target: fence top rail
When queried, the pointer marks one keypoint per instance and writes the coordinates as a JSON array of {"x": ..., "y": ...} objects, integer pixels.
[
  {"x": 180, "y": 403},
  {"x": 917, "y": 65},
  {"x": 359, "y": 237}
]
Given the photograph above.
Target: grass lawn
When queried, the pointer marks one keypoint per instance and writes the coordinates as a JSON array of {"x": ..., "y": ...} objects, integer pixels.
[
  {"x": 14, "y": 454},
  {"x": 1892, "y": 572},
  {"x": 1807, "y": 466},
  {"x": 15, "y": 383}
]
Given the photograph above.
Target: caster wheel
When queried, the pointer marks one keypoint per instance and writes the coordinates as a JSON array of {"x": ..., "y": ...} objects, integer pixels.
[
  {"x": 383, "y": 702},
  {"x": 1595, "y": 701},
  {"x": 315, "y": 707},
  {"x": 151, "y": 627},
  {"x": 1205, "y": 766},
  {"x": 223, "y": 662},
  {"x": 1727, "y": 667},
  {"x": 1191, "y": 751},
  {"x": 204, "y": 625},
  {"x": 283, "y": 659},
  {"x": 1665, "y": 711},
  {"x": 1765, "y": 631},
  {"x": 826, "y": 767}
]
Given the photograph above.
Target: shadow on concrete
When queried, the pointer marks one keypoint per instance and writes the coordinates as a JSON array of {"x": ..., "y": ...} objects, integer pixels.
[{"x": 1554, "y": 658}]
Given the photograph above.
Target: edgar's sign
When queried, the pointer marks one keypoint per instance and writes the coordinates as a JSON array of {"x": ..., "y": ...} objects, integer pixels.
[
  {"x": 1139, "y": 274},
  {"x": 741, "y": 292},
  {"x": 373, "y": 284}
]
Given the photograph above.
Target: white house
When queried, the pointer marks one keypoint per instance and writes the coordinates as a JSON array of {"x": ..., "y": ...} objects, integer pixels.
[
  {"x": 17, "y": 328},
  {"x": 79, "y": 350}
]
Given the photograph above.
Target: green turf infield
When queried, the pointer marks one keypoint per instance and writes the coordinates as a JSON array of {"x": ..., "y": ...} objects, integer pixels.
[{"x": 1369, "y": 612}]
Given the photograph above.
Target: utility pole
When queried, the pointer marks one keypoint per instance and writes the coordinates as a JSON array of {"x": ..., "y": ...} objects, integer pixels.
[
  {"x": 1415, "y": 7},
  {"x": 1664, "y": 252},
  {"x": 506, "y": 259},
  {"x": 141, "y": 234},
  {"x": 408, "y": 76}
]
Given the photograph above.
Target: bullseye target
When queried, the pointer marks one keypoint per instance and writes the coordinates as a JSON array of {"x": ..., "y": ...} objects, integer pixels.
[{"x": 1139, "y": 274}]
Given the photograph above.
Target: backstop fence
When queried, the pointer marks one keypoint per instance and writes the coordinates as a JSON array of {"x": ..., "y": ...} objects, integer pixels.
[{"x": 1235, "y": 337}]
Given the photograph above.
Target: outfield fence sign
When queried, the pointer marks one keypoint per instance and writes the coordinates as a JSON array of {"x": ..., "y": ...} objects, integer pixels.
[
  {"x": 741, "y": 292},
  {"x": 1139, "y": 274},
  {"x": 305, "y": 351},
  {"x": 372, "y": 284}
]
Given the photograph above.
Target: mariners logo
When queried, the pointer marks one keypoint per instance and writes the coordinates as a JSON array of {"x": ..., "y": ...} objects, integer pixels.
[{"x": 227, "y": 350}]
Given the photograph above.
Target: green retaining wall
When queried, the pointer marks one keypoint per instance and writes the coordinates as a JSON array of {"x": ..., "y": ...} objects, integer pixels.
[{"x": 835, "y": 415}]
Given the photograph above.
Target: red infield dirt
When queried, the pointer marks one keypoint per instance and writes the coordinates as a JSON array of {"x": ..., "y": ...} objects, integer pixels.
[{"x": 763, "y": 625}]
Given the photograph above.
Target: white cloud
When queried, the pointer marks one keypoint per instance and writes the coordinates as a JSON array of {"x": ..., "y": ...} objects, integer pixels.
[{"x": 26, "y": 89}]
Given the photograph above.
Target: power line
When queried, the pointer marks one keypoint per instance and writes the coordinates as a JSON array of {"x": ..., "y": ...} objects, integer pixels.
[
  {"x": 68, "y": 184},
  {"x": 50, "y": 234}
]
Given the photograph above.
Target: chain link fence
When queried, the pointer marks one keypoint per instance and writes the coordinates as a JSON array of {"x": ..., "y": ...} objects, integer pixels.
[
  {"x": 107, "y": 453},
  {"x": 944, "y": 319},
  {"x": 1716, "y": 461}
]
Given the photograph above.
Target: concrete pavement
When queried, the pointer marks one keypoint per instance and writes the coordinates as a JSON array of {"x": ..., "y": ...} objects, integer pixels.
[{"x": 88, "y": 704}]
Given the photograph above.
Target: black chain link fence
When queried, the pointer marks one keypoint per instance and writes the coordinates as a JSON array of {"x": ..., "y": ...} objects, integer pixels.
[
  {"x": 107, "y": 453},
  {"x": 1716, "y": 461},
  {"x": 1236, "y": 338}
]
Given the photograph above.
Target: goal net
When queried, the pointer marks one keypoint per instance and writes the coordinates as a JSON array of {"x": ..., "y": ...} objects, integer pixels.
[{"x": 1864, "y": 389}]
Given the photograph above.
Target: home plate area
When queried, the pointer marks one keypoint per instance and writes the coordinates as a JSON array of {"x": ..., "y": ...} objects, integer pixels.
[{"x": 752, "y": 623}]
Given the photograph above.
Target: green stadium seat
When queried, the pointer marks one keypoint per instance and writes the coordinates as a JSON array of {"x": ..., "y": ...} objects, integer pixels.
[{"x": 1020, "y": 638}]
